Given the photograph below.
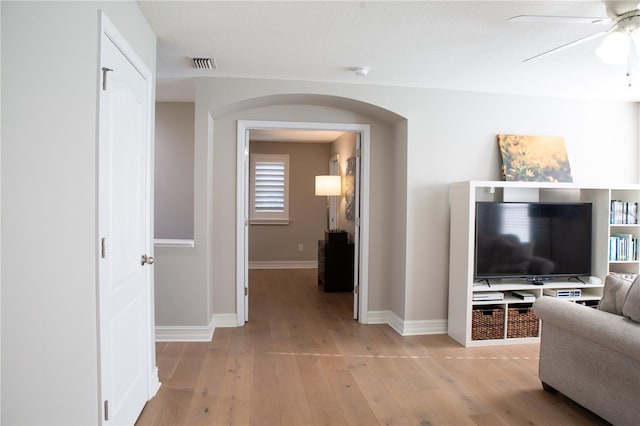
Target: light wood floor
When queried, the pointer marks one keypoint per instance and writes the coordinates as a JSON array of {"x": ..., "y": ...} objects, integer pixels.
[{"x": 302, "y": 360}]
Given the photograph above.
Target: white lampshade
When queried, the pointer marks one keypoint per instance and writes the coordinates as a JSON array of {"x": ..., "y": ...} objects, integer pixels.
[
  {"x": 328, "y": 185},
  {"x": 614, "y": 49}
]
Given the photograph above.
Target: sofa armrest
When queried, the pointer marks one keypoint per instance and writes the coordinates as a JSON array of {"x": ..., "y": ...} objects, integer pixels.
[{"x": 610, "y": 330}]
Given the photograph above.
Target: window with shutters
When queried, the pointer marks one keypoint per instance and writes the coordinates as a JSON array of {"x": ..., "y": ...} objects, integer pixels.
[{"x": 269, "y": 188}]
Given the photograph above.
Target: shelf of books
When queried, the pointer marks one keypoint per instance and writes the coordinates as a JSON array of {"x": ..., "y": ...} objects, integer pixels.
[{"x": 624, "y": 233}]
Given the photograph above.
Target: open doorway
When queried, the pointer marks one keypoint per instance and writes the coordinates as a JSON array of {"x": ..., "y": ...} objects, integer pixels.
[{"x": 360, "y": 234}]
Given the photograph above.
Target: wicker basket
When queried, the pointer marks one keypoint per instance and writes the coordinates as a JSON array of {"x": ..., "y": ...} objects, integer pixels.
[
  {"x": 522, "y": 322},
  {"x": 487, "y": 322}
]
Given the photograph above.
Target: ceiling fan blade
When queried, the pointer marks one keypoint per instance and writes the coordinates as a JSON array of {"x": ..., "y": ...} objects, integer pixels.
[
  {"x": 560, "y": 19},
  {"x": 571, "y": 44}
]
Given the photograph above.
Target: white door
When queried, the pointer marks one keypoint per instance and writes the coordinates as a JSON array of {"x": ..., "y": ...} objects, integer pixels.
[{"x": 124, "y": 229}]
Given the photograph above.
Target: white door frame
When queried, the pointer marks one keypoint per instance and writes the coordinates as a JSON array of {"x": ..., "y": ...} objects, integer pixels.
[
  {"x": 242, "y": 195},
  {"x": 106, "y": 27}
]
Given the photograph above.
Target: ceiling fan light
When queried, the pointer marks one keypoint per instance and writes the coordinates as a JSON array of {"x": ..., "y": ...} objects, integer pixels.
[{"x": 614, "y": 49}]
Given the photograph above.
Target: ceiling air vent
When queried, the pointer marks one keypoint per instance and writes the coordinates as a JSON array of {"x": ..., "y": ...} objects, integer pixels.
[{"x": 204, "y": 63}]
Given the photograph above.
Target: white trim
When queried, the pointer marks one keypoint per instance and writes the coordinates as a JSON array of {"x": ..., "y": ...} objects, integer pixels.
[
  {"x": 155, "y": 383},
  {"x": 225, "y": 320},
  {"x": 194, "y": 333},
  {"x": 422, "y": 327},
  {"x": 243, "y": 127},
  {"x": 408, "y": 328},
  {"x": 284, "y": 264},
  {"x": 158, "y": 242},
  {"x": 379, "y": 317},
  {"x": 396, "y": 323}
]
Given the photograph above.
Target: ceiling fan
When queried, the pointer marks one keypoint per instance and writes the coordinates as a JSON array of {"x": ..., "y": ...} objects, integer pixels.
[{"x": 623, "y": 31}]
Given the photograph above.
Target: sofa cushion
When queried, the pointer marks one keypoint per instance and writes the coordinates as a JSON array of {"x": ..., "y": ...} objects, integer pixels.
[
  {"x": 614, "y": 294},
  {"x": 631, "y": 307}
]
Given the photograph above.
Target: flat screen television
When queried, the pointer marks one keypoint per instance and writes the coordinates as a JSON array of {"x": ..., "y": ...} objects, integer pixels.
[{"x": 536, "y": 241}]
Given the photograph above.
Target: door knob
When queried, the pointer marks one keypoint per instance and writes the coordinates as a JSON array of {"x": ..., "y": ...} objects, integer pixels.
[{"x": 147, "y": 259}]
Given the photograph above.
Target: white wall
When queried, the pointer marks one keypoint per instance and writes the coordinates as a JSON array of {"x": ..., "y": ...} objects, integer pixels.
[
  {"x": 453, "y": 138},
  {"x": 49, "y": 190},
  {"x": 448, "y": 136}
]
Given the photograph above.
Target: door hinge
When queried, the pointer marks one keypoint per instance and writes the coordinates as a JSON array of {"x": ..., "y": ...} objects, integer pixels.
[
  {"x": 105, "y": 70},
  {"x": 246, "y": 291},
  {"x": 106, "y": 411},
  {"x": 358, "y": 152},
  {"x": 103, "y": 248},
  {"x": 357, "y": 221},
  {"x": 355, "y": 289}
]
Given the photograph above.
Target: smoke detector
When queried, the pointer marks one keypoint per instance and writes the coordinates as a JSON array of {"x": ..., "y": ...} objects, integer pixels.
[
  {"x": 204, "y": 63},
  {"x": 361, "y": 71}
]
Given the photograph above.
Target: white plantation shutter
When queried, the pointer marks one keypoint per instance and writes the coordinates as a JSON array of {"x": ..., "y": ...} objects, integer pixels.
[{"x": 269, "y": 188}]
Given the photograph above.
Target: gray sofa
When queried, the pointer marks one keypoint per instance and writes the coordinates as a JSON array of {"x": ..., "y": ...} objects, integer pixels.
[{"x": 593, "y": 355}]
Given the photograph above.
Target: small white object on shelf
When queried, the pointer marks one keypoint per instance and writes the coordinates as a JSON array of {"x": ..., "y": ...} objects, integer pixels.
[{"x": 488, "y": 295}]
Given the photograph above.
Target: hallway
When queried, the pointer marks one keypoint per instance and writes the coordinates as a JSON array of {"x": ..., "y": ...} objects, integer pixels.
[{"x": 302, "y": 360}]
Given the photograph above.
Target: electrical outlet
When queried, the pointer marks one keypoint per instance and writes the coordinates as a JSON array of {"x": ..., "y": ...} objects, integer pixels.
[{"x": 300, "y": 247}]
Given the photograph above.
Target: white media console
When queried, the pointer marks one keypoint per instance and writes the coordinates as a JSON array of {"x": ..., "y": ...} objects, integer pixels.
[{"x": 463, "y": 197}]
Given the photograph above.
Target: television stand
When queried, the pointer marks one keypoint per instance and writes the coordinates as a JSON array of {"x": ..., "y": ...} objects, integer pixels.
[{"x": 466, "y": 316}]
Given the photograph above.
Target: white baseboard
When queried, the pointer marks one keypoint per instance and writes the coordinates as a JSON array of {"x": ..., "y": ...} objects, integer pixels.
[
  {"x": 205, "y": 333},
  {"x": 293, "y": 264},
  {"x": 378, "y": 317},
  {"x": 195, "y": 333},
  {"x": 422, "y": 327},
  {"x": 225, "y": 320},
  {"x": 154, "y": 385},
  {"x": 407, "y": 328}
]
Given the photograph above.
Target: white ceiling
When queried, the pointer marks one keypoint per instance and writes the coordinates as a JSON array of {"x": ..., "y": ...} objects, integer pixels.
[{"x": 459, "y": 45}]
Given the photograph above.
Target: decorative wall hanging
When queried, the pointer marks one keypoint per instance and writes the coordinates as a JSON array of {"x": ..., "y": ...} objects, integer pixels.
[
  {"x": 350, "y": 189},
  {"x": 534, "y": 158}
]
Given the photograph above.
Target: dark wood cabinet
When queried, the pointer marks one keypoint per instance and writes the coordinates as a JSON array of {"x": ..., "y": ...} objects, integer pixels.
[{"x": 335, "y": 262}]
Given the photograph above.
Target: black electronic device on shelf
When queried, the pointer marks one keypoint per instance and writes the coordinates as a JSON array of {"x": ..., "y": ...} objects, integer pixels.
[{"x": 534, "y": 241}]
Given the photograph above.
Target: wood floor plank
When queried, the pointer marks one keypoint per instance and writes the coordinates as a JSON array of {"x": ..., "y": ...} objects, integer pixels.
[
  {"x": 235, "y": 392},
  {"x": 206, "y": 395},
  {"x": 294, "y": 408},
  {"x": 168, "y": 359},
  {"x": 375, "y": 392},
  {"x": 353, "y": 405},
  {"x": 323, "y": 404},
  {"x": 302, "y": 360},
  {"x": 265, "y": 401}
]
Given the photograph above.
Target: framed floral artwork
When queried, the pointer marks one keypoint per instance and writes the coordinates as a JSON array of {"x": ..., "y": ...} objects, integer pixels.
[{"x": 534, "y": 158}]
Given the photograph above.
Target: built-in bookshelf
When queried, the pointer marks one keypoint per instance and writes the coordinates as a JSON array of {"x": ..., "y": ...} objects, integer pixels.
[
  {"x": 624, "y": 231},
  {"x": 614, "y": 215}
]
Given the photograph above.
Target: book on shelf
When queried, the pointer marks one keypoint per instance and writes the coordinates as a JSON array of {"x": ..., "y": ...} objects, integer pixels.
[
  {"x": 623, "y": 213},
  {"x": 623, "y": 247}
]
